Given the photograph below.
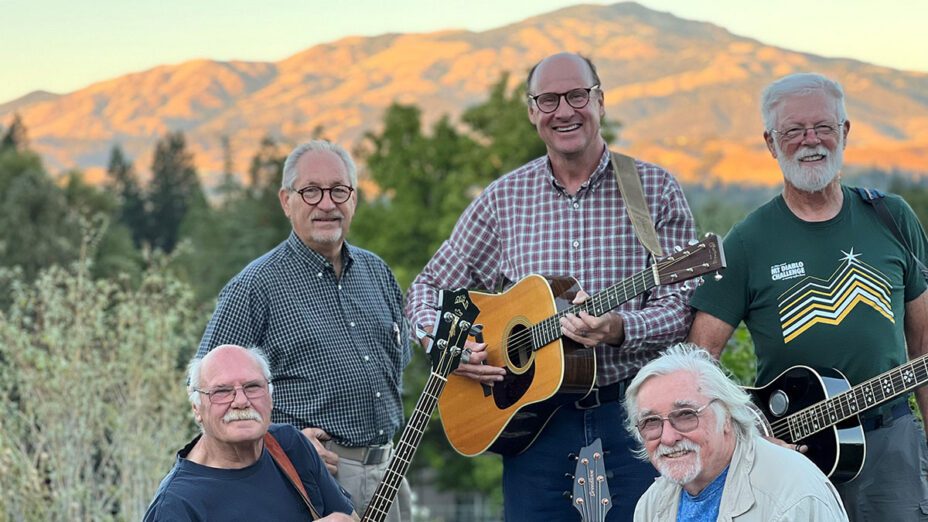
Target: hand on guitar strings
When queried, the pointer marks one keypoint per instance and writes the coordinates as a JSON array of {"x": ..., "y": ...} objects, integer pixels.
[
  {"x": 801, "y": 448},
  {"x": 318, "y": 437},
  {"x": 589, "y": 330},
  {"x": 476, "y": 367}
]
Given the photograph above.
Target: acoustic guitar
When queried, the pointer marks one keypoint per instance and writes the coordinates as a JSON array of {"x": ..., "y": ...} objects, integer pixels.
[
  {"x": 456, "y": 317},
  {"x": 543, "y": 370},
  {"x": 819, "y": 408}
]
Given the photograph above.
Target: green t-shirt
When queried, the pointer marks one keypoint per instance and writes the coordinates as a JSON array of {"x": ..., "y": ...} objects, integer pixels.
[{"x": 828, "y": 295}]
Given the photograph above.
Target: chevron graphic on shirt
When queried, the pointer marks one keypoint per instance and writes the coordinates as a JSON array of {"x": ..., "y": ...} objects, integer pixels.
[{"x": 814, "y": 301}]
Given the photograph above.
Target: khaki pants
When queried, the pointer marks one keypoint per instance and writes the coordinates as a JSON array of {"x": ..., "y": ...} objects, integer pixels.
[{"x": 362, "y": 481}]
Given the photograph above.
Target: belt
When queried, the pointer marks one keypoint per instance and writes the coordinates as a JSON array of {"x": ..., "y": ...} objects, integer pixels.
[
  {"x": 366, "y": 455},
  {"x": 884, "y": 416},
  {"x": 601, "y": 395}
]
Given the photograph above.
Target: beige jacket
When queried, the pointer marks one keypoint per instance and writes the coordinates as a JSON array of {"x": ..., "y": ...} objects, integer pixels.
[{"x": 765, "y": 483}]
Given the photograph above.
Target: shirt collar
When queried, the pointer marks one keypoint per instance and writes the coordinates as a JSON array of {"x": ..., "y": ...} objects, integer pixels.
[
  {"x": 601, "y": 169},
  {"x": 315, "y": 259}
]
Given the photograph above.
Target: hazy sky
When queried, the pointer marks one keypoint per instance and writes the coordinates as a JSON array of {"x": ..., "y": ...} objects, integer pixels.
[{"x": 61, "y": 46}]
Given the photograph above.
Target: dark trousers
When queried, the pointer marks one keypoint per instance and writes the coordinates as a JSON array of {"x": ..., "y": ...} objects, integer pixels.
[
  {"x": 893, "y": 484},
  {"x": 534, "y": 482}
]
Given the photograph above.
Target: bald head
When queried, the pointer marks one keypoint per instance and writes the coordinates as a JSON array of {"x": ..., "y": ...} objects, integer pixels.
[{"x": 560, "y": 59}]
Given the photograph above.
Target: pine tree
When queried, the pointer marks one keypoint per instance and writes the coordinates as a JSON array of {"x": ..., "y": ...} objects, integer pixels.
[
  {"x": 174, "y": 190},
  {"x": 15, "y": 137},
  {"x": 123, "y": 181}
]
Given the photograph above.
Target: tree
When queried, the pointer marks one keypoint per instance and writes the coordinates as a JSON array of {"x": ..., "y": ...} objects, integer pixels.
[
  {"x": 174, "y": 190},
  {"x": 15, "y": 137},
  {"x": 122, "y": 181}
]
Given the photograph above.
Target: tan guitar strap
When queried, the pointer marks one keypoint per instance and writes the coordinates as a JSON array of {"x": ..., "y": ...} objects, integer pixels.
[
  {"x": 283, "y": 462},
  {"x": 626, "y": 175}
]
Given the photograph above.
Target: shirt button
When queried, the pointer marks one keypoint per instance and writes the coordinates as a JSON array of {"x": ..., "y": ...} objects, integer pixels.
[
  {"x": 319, "y": 274},
  {"x": 576, "y": 205},
  {"x": 576, "y": 244},
  {"x": 380, "y": 432},
  {"x": 339, "y": 287},
  {"x": 351, "y": 324},
  {"x": 377, "y": 395},
  {"x": 367, "y": 358}
]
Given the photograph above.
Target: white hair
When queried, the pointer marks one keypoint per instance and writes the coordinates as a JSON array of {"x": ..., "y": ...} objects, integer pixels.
[
  {"x": 290, "y": 173},
  {"x": 799, "y": 84},
  {"x": 196, "y": 365},
  {"x": 731, "y": 402}
]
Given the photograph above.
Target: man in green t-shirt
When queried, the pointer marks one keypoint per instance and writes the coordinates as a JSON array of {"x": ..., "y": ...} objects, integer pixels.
[{"x": 821, "y": 281}]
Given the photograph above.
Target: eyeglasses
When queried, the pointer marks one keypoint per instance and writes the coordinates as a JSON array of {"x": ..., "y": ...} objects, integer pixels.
[
  {"x": 683, "y": 420},
  {"x": 548, "y": 102},
  {"x": 225, "y": 395},
  {"x": 822, "y": 130},
  {"x": 312, "y": 194}
]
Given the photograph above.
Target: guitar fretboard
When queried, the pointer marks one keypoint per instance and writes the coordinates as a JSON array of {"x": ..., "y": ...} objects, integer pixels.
[
  {"x": 406, "y": 448},
  {"x": 549, "y": 330},
  {"x": 864, "y": 396}
]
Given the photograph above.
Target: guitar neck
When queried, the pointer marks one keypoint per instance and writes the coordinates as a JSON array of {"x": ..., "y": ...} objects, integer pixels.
[
  {"x": 864, "y": 396},
  {"x": 549, "y": 330},
  {"x": 406, "y": 448}
]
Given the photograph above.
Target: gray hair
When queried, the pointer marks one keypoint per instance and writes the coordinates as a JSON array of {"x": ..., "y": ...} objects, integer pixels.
[
  {"x": 196, "y": 365},
  {"x": 731, "y": 402},
  {"x": 290, "y": 173},
  {"x": 799, "y": 84}
]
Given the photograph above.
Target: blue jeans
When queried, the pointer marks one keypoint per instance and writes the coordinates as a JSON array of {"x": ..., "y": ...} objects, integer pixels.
[{"x": 534, "y": 481}]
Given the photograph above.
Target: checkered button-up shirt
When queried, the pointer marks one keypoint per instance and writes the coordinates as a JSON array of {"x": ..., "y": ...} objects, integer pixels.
[
  {"x": 337, "y": 346},
  {"x": 526, "y": 223}
]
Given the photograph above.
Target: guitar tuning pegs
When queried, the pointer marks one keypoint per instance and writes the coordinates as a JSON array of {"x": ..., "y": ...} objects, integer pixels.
[
  {"x": 476, "y": 330},
  {"x": 692, "y": 242},
  {"x": 569, "y": 476},
  {"x": 717, "y": 276},
  {"x": 572, "y": 457},
  {"x": 677, "y": 248},
  {"x": 568, "y": 495}
]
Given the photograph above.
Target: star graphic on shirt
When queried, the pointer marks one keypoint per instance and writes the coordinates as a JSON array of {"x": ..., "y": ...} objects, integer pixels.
[{"x": 850, "y": 257}]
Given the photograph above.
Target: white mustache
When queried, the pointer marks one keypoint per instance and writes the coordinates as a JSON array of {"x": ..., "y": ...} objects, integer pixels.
[
  {"x": 238, "y": 415},
  {"x": 683, "y": 444},
  {"x": 810, "y": 151}
]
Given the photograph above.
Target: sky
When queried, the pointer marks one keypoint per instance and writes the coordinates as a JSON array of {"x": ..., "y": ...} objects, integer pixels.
[{"x": 64, "y": 45}]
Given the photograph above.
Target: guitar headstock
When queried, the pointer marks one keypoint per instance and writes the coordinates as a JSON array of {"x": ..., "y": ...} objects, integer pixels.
[
  {"x": 456, "y": 316},
  {"x": 693, "y": 261},
  {"x": 591, "y": 492}
]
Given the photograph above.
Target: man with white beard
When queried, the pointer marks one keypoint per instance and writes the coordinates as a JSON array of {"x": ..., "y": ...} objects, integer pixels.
[
  {"x": 697, "y": 429},
  {"x": 820, "y": 280}
]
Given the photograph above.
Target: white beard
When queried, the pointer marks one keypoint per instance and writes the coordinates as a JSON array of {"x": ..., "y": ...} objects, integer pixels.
[
  {"x": 810, "y": 178},
  {"x": 679, "y": 472}
]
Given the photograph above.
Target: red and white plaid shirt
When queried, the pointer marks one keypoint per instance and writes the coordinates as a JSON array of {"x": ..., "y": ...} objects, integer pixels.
[{"x": 526, "y": 223}]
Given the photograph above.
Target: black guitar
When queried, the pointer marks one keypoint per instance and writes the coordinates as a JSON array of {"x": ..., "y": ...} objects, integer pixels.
[
  {"x": 819, "y": 409},
  {"x": 591, "y": 491},
  {"x": 455, "y": 319}
]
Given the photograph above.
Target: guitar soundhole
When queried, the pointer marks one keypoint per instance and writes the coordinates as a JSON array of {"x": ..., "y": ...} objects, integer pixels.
[{"x": 519, "y": 347}]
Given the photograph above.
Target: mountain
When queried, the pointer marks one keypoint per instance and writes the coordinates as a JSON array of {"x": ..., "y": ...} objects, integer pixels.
[{"x": 685, "y": 92}]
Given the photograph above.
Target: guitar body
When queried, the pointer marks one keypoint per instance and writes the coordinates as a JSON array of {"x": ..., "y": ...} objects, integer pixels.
[
  {"x": 838, "y": 450},
  {"x": 538, "y": 380}
]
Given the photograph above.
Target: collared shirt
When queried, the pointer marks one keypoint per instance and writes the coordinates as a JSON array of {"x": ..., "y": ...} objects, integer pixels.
[
  {"x": 337, "y": 346},
  {"x": 526, "y": 223}
]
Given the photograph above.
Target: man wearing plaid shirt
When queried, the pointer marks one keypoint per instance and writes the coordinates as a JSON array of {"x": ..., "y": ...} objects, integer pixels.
[
  {"x": 558, "y": 215},
  {"x": 329, "y": 317}
]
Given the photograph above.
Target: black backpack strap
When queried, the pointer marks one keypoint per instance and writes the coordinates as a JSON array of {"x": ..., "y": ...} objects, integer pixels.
[{"x": 874, "y": 198}]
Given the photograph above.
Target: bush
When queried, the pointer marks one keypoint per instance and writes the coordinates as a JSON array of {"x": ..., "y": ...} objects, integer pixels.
[{"x": 91, "y": 391}]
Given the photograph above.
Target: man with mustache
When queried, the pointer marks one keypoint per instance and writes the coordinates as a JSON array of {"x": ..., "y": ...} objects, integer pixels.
[
  {"x": 697, "y": 428},
  {"x": 226, "y": 472},
  {"x": 821, "y": 281},
  {"x": 329, "y": 315}
]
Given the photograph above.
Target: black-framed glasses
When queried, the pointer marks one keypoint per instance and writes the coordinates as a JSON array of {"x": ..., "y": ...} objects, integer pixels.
[
  {"x": 548, "y": 102},
  {"x": 822, "y": 130},
  {"x": 683, "y": 420},
  {"x": 312, "y": 194},
  {"x": 225, "y": 395}
]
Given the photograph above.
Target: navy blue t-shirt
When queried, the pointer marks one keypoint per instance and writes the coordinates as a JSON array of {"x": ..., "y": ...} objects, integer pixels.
[{"x": 259, "y": 492}]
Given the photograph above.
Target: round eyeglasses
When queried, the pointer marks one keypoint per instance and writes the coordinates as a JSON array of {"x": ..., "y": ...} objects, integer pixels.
[
  {"x": 312, "y": 194},
  {"x": 684, "y": 420},
  {"x": 548, "y": 102},
  {"x": 225, "y": 395}
]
